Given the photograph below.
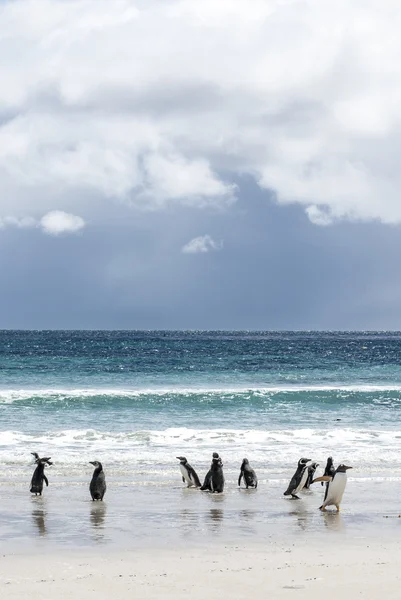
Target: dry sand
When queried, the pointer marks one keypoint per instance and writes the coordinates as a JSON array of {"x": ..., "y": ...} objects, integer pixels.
[{"x": 347, "y": 569}]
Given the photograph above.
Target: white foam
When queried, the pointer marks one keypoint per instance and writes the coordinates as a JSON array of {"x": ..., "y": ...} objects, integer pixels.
[
  {"x": 12, "y": 395},
  {"x": 273, "y": 450}
]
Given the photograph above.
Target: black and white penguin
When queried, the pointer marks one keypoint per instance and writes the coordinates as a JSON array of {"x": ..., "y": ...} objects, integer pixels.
[
  {"x": 311, "y": 473},
  {"x": 335, "y": 487},
  {"x": 329, "y": 469},
  {"x": 39, "y": 476},
  {"x": 248, "y": 474},
  {"x": 299, "y": 479},
  {"x": 214, "y": 480},
  {"x": 97, "y": 486},
  {"x": 188, "y": 473}
]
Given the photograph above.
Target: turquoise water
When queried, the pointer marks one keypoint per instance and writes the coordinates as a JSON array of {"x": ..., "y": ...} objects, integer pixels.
[
  {"x": 136, "y": 400},
  {"x": 141, "y": 398}
]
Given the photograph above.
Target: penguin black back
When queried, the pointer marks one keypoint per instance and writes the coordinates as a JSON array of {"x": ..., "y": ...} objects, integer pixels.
[
  {"x": 39, "y": 476},
  {"x": 248, "y": 474},
  {"x": 217, "y": 464},
  {"x": 329, "y": 469},
  {"x": 97, "y": 486},
  {"x": 217, "y": 476}
]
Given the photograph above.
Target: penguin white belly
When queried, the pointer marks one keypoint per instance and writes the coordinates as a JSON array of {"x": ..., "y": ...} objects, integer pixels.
[
  {"x": 184, "y": 473},
  {"x": 336, "y": 489},
  {"x": 302, "y": 482}
]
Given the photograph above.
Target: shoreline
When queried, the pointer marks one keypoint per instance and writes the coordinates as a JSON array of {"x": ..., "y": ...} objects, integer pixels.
[{"x": 135, "y": 517}]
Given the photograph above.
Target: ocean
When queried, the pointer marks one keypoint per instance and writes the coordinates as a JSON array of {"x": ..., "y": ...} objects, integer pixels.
[{"x": 135, "y": 400}]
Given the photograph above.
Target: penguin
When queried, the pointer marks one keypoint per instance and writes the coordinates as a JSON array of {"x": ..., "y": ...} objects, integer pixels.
[
  {"x": 248, "y": 474},
  {"x": 335, "y": 487},
  {"x": 97, "y": 486},
  {"x": 39, "y": 476},
  {"x": 311, "y": 473},
  {"x": 206, "y": 483},
  {"x": 299, "y": 479},
  {"x": 329, "y": 470},
  {"x": 214, "y": 480},
  {"x": 188, "y": 473}
]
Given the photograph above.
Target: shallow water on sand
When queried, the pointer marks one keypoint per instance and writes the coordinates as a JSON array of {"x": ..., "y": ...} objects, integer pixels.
[{"x": 134, "y": 516}]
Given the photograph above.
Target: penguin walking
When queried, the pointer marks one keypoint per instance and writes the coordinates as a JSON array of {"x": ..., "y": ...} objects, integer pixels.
[
  {"x": 97, "y": 486},
  {"x": 335, "y": 487},
  {"x": 39, "y": 476},
  {"x": 311, "y": 473},
  {"x": 214, "y": 480},
  {"x": 188, "y": 473},
  {"x": 298, "y": 479},
  {"x": 329, "y": 469},
  {"x": 248, "y": 474}
]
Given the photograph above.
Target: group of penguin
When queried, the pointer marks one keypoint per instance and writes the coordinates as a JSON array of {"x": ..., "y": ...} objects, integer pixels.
[
  {"x": 335, "y": 478},
  {"x": 97, "y": 486}
]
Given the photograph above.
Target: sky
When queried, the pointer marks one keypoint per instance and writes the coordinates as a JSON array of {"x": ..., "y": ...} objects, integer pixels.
[{"x": 176, "y": 164}]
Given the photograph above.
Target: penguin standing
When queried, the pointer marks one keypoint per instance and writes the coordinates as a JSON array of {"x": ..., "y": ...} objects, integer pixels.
[
  {"x": 39, "y": 476},
  {"x": 188, "y": 473},
  {"x": 298, "y": 479},
  {"x": 97, "y": 486},
  {"x": 329, "y": 469},
  {"x": 311, "y": 473},
  {"x": 335, "y": 487},
  {"x": 248, "y": 474},
  {"x": 214, "y": 480}
]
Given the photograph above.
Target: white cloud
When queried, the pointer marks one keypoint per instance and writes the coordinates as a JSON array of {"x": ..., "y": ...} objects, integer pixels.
[
  {"x": 201, "y": 244},
  {"x": 54, "y": 222},
  {"x": 20, "y": 223},
  {"x": 125, "y": 100},
  {"x": 57, "y": 222},
  {"x": 318, "y": 216}
]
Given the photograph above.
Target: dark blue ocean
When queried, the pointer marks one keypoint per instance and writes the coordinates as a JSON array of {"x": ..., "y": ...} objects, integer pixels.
[{"x": 141, "y": 398}]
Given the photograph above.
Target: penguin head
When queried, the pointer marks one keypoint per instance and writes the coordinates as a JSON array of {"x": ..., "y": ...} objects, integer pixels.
[
  {"x": 342, "y": 468},
  {"x": 303, "y": 462},
  {"x": 215, "y": 455},
  {"x": 182, "y": 459},
  {"x": 245, "y": 461},
  {"x": 96, "y": 464}
]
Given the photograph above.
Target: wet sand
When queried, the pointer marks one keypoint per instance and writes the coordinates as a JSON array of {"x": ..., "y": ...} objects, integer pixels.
[
  {"x": 142, "y": 516},
  {"x": 168, "y": 541}
]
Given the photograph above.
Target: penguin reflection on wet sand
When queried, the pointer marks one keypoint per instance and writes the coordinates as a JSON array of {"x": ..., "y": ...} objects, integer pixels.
[
  {"x": 335, "y": 487},
  {"x": 214, "y": 480},
  {"x": 298, "y": 479},
  {"x": 311, "y": 473},
  {"x": 248, "y": 474},
  {"x": 97, "y": 486},
  {"x": 39, "y": 476},
  {"x": 188, "y": 473}
]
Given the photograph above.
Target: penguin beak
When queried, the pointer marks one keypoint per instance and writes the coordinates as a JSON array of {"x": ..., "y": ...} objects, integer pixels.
[
  {"x": 91, "y": 462},
  {"x": 348, "y": 467}
]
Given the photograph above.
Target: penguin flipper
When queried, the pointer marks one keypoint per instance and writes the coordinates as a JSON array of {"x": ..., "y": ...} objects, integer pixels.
[
  {"x": 239, "y": 479},
  {"x": 322, "y": 478},
  {"x": 46, "y": 480},
  {"x": 183, "y": 480}
]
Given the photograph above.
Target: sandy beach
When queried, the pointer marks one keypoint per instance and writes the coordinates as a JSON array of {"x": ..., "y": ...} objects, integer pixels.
[
  {"x": 349, "y": 569},
  {"x": 170, "y": 543}
]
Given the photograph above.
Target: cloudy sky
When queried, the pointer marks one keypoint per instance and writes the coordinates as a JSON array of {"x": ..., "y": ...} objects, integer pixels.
[{"x": 191, "y": 164}]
